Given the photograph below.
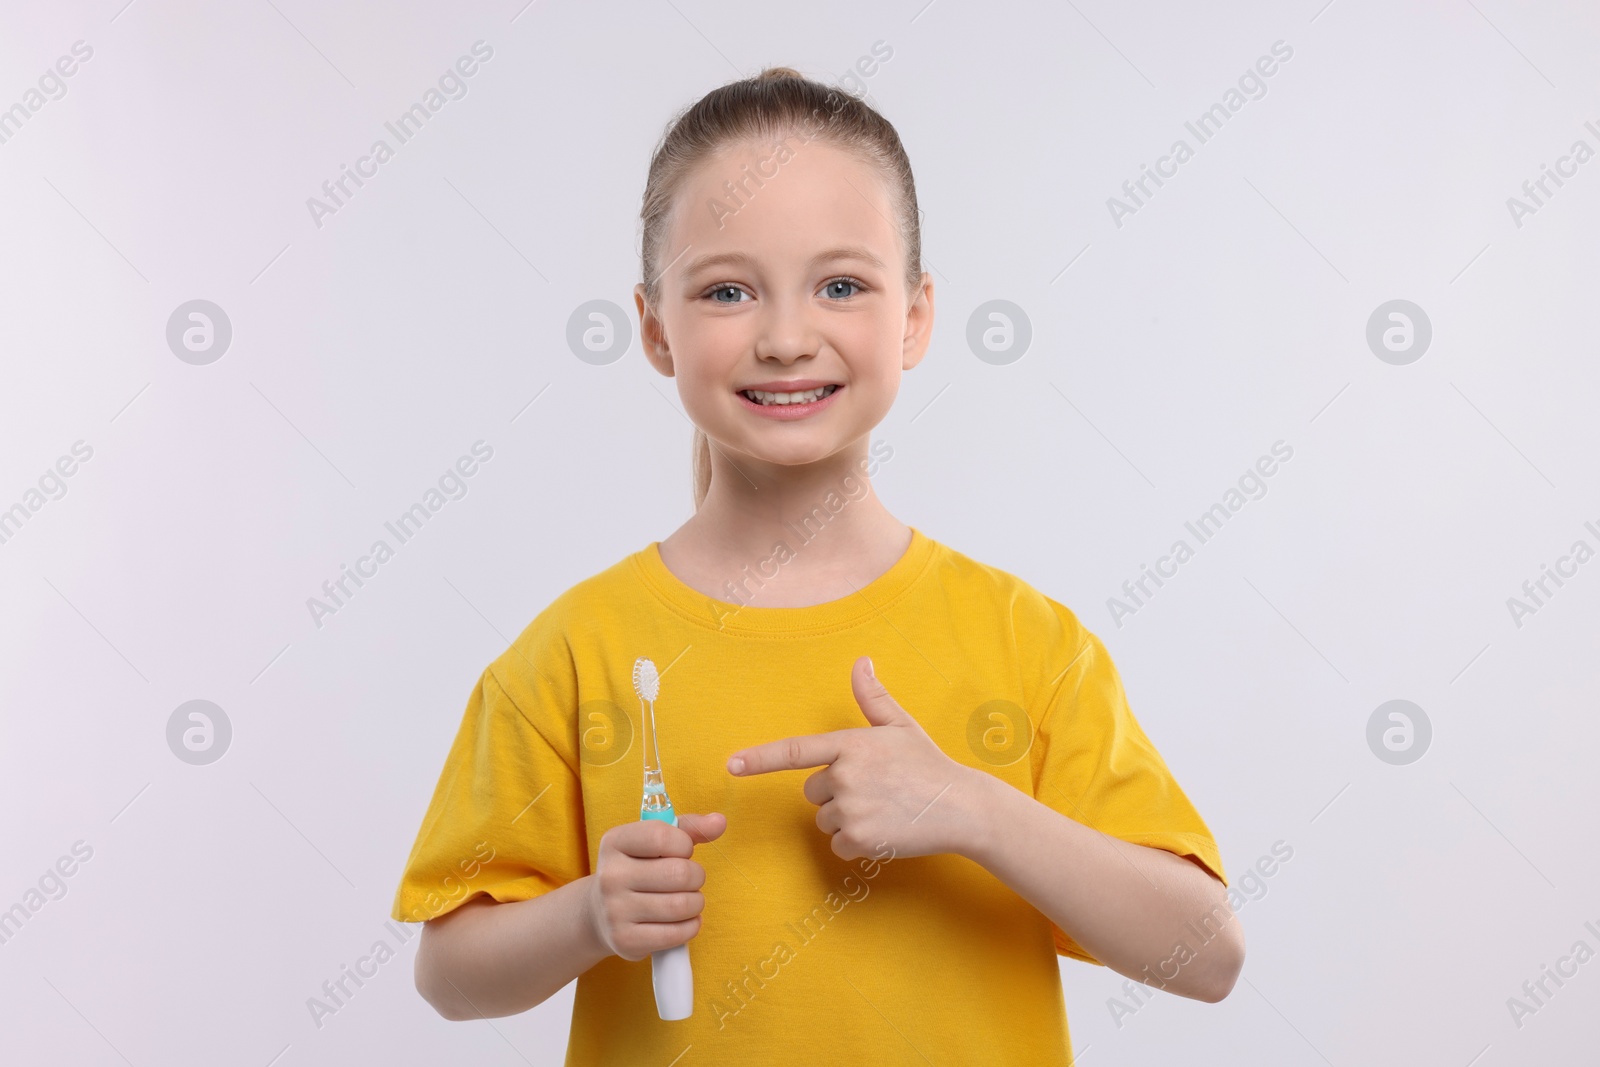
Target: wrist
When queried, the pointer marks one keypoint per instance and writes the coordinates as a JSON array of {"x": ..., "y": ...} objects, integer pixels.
[
  {"x": 982, "y": 799},
  {"x": 593, "y": 936}
]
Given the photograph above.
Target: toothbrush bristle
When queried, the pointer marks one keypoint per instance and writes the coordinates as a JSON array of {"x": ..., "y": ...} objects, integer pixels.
[{"x": 646, "y": 679}]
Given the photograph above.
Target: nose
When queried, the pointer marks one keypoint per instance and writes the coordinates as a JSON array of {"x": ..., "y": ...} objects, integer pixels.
[{"x": 786, "y": 331}]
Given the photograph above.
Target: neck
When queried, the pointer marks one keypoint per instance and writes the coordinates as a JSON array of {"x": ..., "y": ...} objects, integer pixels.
[{"x": 836, "y": 535}]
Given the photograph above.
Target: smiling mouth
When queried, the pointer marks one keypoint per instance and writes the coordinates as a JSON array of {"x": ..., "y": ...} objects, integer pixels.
[{"x": 778, "y": 399}]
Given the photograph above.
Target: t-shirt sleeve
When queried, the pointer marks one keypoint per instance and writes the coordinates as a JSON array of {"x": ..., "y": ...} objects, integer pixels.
[
  {"x": 506, "y": 818},
  {"x": 1093, "y": 763}
]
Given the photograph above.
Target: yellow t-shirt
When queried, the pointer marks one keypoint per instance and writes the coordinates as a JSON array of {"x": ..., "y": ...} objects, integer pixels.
[{"x": 802, "y": 958}]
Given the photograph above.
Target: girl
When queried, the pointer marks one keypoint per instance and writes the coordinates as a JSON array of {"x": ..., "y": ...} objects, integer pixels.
[{"x": 925, "y": 777}]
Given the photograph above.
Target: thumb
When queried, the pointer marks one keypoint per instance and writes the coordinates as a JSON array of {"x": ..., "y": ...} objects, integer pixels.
[
  {"x": 877, "y": 705},
  {"x": 703, "y": 829}
]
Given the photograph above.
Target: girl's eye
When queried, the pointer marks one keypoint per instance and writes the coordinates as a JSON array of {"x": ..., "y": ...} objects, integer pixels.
[
  {"x": 832, "y": 290},
  {"x": 734, "y": 289}
]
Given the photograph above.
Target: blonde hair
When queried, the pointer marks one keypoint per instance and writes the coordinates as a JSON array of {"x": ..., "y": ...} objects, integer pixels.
[{"x": 767, "y": 107}]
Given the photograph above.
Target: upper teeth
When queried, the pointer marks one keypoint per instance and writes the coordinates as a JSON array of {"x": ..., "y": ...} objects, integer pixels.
[{"x": 789, "y": 398}]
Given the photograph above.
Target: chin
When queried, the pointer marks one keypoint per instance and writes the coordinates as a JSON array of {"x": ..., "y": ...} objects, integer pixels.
[
  {"x": 793, "y": 457},
  {"x": 793, "y": 453}
]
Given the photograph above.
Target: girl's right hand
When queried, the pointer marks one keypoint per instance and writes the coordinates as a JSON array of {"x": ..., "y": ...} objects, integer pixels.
[{"x": 645, "y": 895}]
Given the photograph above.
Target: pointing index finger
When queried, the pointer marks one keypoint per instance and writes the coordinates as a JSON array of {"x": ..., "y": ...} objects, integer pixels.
[{"x": 789, "y": 754}]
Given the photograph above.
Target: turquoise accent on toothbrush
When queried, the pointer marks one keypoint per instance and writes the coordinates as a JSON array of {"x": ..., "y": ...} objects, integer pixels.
[{"x": 670, "y": 973}]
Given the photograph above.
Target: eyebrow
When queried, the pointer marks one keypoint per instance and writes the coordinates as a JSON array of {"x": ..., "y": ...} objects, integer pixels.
[{"x": 744, "y": 259}]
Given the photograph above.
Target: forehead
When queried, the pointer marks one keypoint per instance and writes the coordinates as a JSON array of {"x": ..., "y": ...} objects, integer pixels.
[{"x": 784, "y": 204}]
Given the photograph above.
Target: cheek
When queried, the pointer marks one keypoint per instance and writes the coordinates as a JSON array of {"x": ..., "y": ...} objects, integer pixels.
[
  {"x": 706, "y": 349},
  {"x": 705, "y": 360},
  {"x": 873, "y": 348},
  {"x": 886, "y": 336}
]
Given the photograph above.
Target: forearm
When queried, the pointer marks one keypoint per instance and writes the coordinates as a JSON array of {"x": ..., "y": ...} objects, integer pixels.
[
  {"x": 486, "y": 959},
  {"x": 1129, "y": 906}
]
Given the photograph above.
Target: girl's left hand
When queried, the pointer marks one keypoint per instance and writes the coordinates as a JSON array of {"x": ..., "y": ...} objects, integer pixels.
[{"x": 887, "y": 783}]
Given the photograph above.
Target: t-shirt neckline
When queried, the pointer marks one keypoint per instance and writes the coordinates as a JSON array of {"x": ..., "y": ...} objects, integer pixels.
[{"x": 732, "y": 617}]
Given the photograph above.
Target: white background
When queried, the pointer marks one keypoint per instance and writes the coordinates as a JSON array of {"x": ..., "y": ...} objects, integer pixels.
[{"x": 369, "y": 353}]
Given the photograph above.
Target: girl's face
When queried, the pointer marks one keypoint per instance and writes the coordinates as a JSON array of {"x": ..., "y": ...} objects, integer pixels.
[{"x": 802, "y": 285}]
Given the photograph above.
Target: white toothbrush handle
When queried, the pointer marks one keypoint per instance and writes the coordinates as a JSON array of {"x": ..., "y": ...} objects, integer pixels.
[{"x": 673, "y": 981}]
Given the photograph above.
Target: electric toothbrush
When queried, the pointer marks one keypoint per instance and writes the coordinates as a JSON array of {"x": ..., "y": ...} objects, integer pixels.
[{"x": 670, "y": 973}]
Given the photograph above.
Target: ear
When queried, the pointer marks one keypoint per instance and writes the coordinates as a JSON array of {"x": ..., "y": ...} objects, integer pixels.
[
  {"x": 919, "y": 324},
  {"x": 652, "y": 334}
]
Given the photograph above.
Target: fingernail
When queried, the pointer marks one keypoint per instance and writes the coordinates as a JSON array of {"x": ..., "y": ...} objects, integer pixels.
[
  {"x": 870, "y": 672},
  {"x": 736, "y": 765}
]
